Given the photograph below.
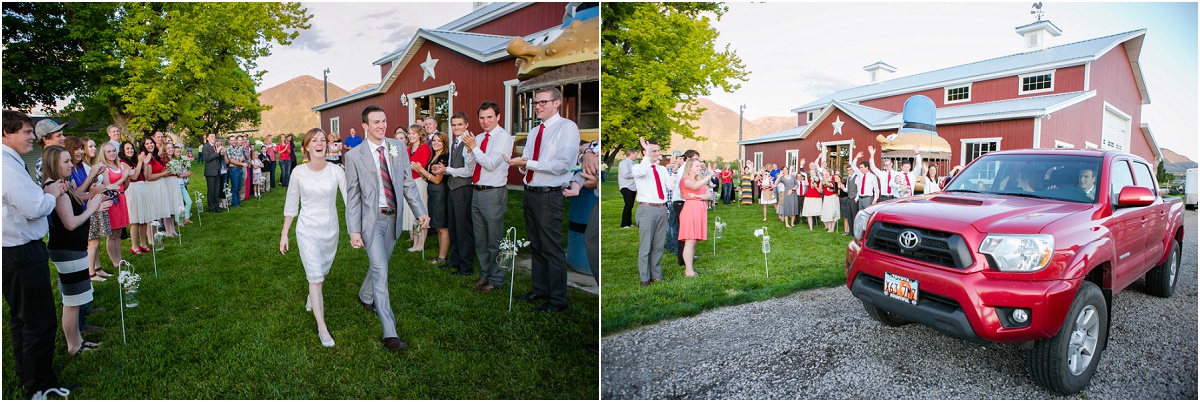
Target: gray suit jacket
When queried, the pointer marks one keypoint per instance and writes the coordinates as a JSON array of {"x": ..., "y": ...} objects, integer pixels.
[
  {"x": 362, "y": 189},
  {"x": 212, "y": 160}
]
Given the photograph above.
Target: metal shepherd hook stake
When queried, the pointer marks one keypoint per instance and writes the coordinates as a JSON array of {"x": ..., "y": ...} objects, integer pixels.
[
  {"x": 199, "y": 207},
  {"x": 511, "y": 236},
  {"x": 121, "y": 297}
]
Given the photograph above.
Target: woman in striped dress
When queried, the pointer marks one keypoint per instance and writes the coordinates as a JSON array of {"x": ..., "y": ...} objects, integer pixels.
[
  {"x": 67, "y": 247},
  {"x": 747, "y": 184}
]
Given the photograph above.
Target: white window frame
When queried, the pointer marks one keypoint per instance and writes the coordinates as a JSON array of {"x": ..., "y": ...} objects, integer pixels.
[
  {"x": 335, "y": 125},
  {"x": 946, "y": 94},
  {"x": 788, "y": 156},
  {"x": 1063, "y": 145},
  {"x": 962, "y": 159},
  {"x": 758, "y": 160},
  {"x": 1128, "y": 129},
  {"x": 1021, "y": 83},
  {"x": 811, "y": 116},
  {"x": 412, "y": 106},
  {"x": 509, "y": 87}
]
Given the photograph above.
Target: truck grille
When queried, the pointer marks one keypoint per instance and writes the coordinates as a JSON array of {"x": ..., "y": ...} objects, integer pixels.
[{"x": 935, "y": 247}]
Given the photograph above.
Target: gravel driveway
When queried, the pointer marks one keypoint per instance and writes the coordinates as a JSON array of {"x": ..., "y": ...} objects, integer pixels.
[{"x": 820, "y": 344}]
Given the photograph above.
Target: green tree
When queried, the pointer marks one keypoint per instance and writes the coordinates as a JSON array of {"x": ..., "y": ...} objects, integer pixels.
[
  {"x": 1164, "y": 177},
  {"x": 658, "y": 58},
  {"x": 189, "y": 67}
]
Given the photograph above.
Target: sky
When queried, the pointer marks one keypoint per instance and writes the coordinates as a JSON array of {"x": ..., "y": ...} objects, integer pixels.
[
  {"x": 798, "y": 52},
  {"x": 347, "y": 38}
]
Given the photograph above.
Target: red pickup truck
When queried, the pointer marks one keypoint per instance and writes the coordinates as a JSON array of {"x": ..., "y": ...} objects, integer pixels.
[{"x": 1021, "y": 247}]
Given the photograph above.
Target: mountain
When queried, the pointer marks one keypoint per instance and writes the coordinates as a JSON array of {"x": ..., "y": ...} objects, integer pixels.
[
  {"x": 291, "y": 105},
  {"x": 719, "y": 125},
  {"x": 1176, "y": 163}
]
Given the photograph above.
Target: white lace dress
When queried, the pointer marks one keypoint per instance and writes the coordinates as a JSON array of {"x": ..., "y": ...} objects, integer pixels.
[{"x": 317, "y": 224}]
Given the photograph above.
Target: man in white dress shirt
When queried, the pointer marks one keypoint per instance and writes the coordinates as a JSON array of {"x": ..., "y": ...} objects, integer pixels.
[
  {"x": 27, "y": 289},
  {"x": 868, "y": 185},
  {"x": 651, "y": 180},
  {"x": 550, "y": 153},
  {"x": 490, "y": 150},
  {"x": 628, "y": 188},
  {"x": 887, "y": 189}
]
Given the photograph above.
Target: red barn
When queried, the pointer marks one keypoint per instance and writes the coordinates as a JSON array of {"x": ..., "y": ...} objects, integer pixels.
[
  {"x": 1081, "y": 95},
  {"x": 450, "y": 69}
]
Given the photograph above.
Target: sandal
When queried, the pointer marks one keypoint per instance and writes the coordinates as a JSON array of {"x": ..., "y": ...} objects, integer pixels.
[
  {"x": 96, "y": 278},
  {"x": 135, "y": 251},
  {"x": 86, "y": 347},
  {"x": 438, "y": 260},
  {"x": 102, "y": 273}
]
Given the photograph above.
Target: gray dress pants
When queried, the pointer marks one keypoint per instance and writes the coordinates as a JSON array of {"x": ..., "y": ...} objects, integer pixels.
[
  {"x": 379, "y": 241},
  {"x": 652, "y": 231}
]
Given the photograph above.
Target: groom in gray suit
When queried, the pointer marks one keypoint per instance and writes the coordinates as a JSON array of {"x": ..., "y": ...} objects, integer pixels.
[{"x": 375, "y": 171}]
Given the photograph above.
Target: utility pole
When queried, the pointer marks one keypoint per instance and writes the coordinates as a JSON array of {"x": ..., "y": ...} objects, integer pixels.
[
  {"x": 326, "y": 85},
  {"x": 741, "y": 151}
]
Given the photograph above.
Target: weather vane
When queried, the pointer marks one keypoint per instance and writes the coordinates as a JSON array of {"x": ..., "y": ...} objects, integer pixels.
[{"x": 1037, "y": 10}]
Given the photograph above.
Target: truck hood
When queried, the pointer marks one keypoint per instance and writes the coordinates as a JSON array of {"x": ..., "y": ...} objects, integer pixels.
[{"x": 987, "y": 213}]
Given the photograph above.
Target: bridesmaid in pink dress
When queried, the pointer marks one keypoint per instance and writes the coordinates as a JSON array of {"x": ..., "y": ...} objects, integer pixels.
[
  {"x": 249, "y": 185},
  {"x": 118, "y": 215},
  {"x": 693, "y": 219}
]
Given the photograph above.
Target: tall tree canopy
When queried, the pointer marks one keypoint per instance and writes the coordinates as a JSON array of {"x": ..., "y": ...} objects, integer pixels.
[
  {"x": 658, "y": 58},
  {"x": 145, "y": 66}
]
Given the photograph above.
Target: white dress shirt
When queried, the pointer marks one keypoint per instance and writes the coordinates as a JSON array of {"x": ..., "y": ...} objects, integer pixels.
[
  {"x": 643, "y": 179},
  {"x": 560, "y": 147},
  {"x": 495, "y": 160},
  {"x": 25, "y": 205},
  {"x": 379, "y": 175}
]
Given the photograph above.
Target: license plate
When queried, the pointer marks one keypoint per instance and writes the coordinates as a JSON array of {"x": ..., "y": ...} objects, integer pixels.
[{"x": 900, "y": 288}]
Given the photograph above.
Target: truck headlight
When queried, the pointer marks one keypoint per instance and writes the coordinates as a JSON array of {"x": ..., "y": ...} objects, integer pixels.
[
  {"x": 1018, "y": 253},
  {"x": 860, "y": 224}
]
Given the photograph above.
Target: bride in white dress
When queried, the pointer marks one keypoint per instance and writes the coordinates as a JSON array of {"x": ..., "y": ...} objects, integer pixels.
[{"x": 315, "y": 185}]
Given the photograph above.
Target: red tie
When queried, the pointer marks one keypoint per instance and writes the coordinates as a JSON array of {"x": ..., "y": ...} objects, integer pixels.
[
  {"x": 906, "y": 182},
  {"x": 537, "y": 148},
  {"x": 478, "y": 167},
  {"x": 657, "y": 183},
  {"x": 862, "y": 188},
  {"x": 889, "y": 183}
]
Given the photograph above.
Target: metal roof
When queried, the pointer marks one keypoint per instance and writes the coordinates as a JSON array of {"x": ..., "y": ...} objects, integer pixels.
[
  {"x": 472, "y": 20},
  {"x": 1052, "y": 57},
  {"x": 473, "y": 44},
  {"x": 876, "y": 119}
]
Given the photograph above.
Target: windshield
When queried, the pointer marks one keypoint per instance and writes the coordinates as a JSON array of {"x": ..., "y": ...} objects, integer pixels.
[{"x": 1058, "y": 177}]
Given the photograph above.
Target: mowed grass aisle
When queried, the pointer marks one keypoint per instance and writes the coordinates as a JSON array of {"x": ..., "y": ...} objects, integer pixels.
[
  {"x": 225, "y": 319},
  {"x": 799, "y": 259}
]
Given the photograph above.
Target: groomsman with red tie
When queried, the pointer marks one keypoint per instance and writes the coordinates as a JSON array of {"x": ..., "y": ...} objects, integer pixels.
[
  {"x": 546, "y": 166},
  {"x": 491, "y": 151},
  {"x": 651, "y": 178}
]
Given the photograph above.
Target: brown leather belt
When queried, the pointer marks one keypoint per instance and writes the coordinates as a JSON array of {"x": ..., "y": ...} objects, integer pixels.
[
  {"x": 387, "y": 211},
  {"x": 651, "y": 204}
]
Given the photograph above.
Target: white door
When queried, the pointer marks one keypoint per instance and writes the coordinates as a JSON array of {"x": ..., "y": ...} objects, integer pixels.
[{"x": 1115, "y": 133}]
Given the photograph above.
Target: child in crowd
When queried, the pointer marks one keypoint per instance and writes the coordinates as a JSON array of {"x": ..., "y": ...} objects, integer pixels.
[{"x": 256, "y": 166}]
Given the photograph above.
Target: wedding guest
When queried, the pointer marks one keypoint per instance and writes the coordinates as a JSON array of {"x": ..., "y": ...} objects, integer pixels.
[
  {"x": 931, "y": 180},
  {"x": 223, "y": 177},
  {"x": 235, "y": 156},
  {"x": 676, "y": 206},
  {"x": 693, "y": 220},
  {"x": 256, "y": 167},
  {"x": 134, "y": 192},
  {"x": 333, "y": 153},
  {"x": 270, "y": 160},
  {"x": 172, "y": 197},
  {"x": 458, "y": 214},
  {"x": 352, "y": 141},
  {"x": 248, "y": 180},
  {"x": 101, "y": 226},
  {"x": 114, "y": 135},
  {"x": 831, "y": 206},
  {"x": 50, "y": 133},
  {"x": 491, "y": 151},
  {"x": 154, "y": 200},
  {"x": 27, "y": 289},
  {"x": 788, "y": 201},
  {"x": 766, "y": 193},
  {"x": 210, "y": 153},
  {"x": 174, "y": 152},
  {"x": 651, "y": 212},
  {"x": 847, "y": 189},
  {"x": 418, "y": 154},
  {"x": 868, "y": 186},
  {"x": 82, "y": 181},
  {"x": 117, "y": 173},
  {"x": 747, "y": 183},
  {"x": 316, "y": 188},
  {"x": 265, "y": 160},
  {"x": 727, "y": 184},
  {"x": 626, "y": 183},
  {"x": 950, "y": 176},
  {"x": 68, "y": 246},
  {"x": 438, "y": 191},
  {"x": 286, "y": 150},
  {"x": 812, "y": 198}
]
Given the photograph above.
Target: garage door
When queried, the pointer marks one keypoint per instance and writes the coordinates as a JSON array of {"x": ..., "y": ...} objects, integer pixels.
[{"x": 1116, "y": 130}]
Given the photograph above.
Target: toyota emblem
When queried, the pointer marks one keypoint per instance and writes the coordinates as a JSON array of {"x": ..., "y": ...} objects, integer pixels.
[{"x": 909, "y": 239}]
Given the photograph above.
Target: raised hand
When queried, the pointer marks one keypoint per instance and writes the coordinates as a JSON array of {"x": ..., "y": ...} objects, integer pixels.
[
  {"x": 645, "y": 145},
  {"x": 859, "y": 156},
  {"x": 871, "y": 149}
]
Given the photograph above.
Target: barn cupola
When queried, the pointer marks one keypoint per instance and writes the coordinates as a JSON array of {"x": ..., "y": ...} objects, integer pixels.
[
  {"x": 875, "y": 67},
  {"x": 1036, "y": 34}
]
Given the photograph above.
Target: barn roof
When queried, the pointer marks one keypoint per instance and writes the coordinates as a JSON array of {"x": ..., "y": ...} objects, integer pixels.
[
  {"x": 481, "y": 47},
  {"x": 475, "y": 18},
  {"x": 876, "y": 119},
  {"x": 1052, "y": 57}
]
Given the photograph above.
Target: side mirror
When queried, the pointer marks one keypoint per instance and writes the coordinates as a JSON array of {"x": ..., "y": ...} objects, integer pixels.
[{"x": 1135, "y": 197}]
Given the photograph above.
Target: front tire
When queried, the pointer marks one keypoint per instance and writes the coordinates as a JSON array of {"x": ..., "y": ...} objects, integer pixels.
[
  {"x": 1161, "y": 280},
  {"x": 1065, "y": 363},
  {"x": 883, "y": 316}
]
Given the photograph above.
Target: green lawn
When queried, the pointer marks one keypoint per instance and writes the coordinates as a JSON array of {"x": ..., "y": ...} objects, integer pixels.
[
  {"x": 225, "y": 319},
  {"x": 799, "y": 260}
]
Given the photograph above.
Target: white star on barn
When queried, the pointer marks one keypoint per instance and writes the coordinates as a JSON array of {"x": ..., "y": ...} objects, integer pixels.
[
  {"x": 837, "y": 126},
  {"x": 428, "y": 65}
]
